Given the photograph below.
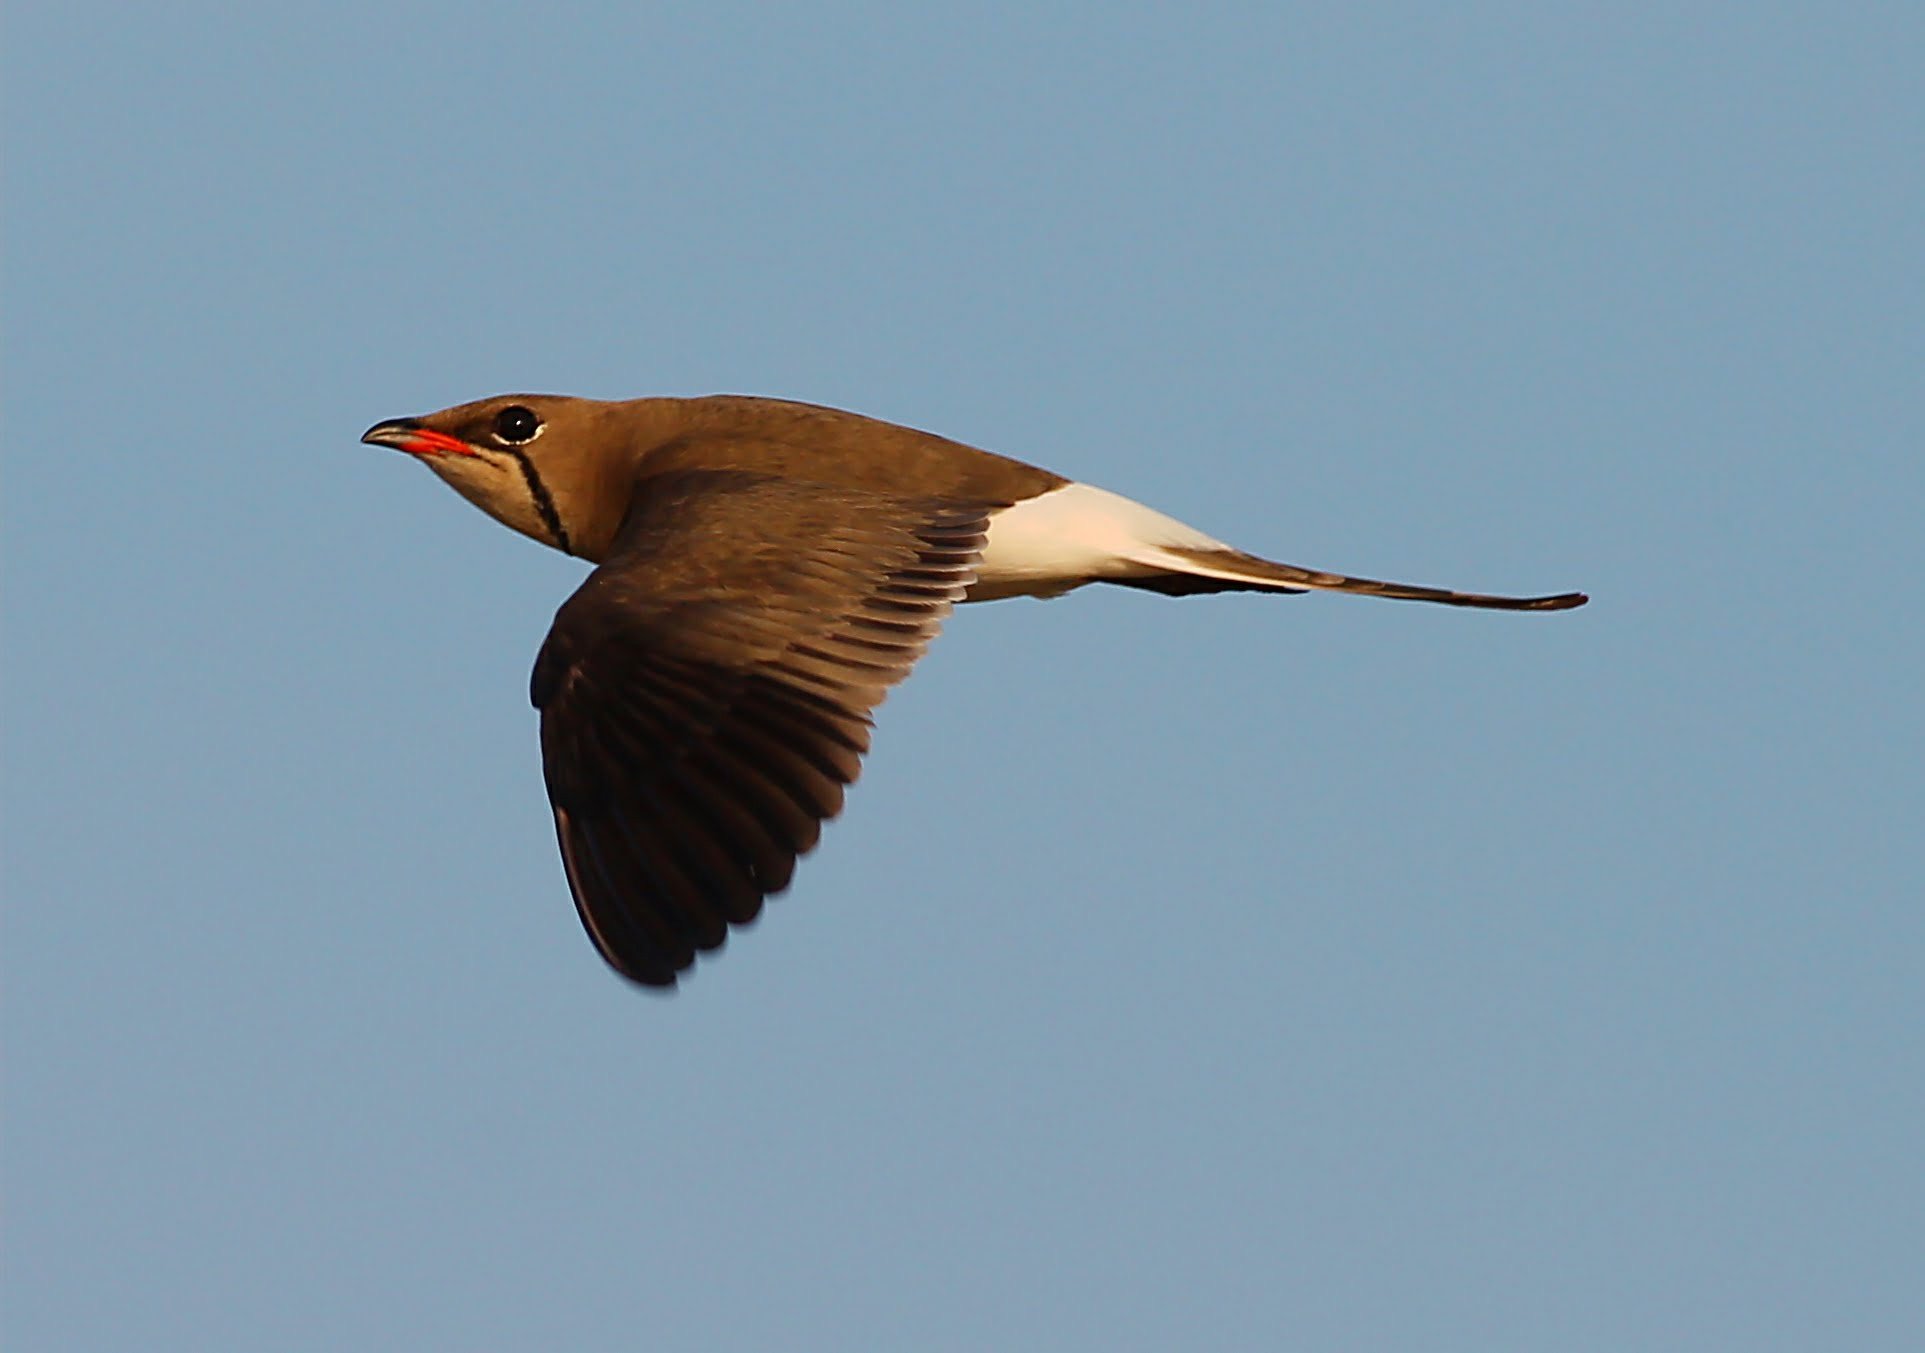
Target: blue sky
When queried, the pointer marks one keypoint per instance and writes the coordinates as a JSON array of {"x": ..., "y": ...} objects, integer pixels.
[{"x": 1230, "y": 972}]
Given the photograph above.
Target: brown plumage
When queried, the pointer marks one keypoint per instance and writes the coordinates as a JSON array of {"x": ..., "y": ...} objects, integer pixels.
[{"x": 767, "y": 571}]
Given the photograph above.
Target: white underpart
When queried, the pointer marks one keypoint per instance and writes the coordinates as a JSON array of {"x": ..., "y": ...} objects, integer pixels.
[{"x": 1076, "y": 534}]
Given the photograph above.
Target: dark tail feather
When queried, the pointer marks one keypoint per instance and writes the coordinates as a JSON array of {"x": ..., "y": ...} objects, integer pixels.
[{"x": 1234, "y": 571}]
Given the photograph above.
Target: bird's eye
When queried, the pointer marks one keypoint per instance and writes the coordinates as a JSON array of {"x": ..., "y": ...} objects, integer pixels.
[{"x": 516, "y": 424}]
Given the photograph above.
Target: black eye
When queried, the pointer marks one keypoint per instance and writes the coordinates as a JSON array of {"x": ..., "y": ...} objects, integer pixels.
[{"x": 515, "y": 425}]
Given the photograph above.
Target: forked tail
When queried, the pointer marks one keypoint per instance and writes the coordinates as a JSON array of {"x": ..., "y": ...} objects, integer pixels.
[
  {"x": 1077, "y": 534},
  {"x": 1185, "y": 570}
]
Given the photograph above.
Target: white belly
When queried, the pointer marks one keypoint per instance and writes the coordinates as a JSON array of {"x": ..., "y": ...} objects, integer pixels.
[{"x": 1076, "y": 534}]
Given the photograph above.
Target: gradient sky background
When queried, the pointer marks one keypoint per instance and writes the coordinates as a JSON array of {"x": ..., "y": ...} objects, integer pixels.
[{"x": 1229, "y": 973}]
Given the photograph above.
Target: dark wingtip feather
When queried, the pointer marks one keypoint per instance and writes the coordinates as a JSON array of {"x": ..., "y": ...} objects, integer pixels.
[
  {"x": 694, "y": 752},
  {"x": 1564, "y": 601}
]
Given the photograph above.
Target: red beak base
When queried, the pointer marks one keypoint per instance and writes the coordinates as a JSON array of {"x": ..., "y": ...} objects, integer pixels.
[{"x": 405, "y": 434}]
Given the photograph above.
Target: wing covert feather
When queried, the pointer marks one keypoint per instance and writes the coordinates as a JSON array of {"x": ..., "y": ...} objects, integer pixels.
[{"x": 706, "y": 694}]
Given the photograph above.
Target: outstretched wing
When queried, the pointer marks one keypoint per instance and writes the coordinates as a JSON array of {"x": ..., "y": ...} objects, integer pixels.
[{"x": 705, "y": 695}]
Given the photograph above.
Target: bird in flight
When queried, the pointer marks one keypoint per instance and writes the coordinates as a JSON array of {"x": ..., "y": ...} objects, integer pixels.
[{"x": 765, "y": 572}]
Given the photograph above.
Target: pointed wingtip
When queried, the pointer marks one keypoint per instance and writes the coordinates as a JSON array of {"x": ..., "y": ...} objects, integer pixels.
[{"x": 1563, "y": 601}]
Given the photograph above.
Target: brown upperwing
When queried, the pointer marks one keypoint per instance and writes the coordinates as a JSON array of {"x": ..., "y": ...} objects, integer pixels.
[{"x": 705, "y": 696}]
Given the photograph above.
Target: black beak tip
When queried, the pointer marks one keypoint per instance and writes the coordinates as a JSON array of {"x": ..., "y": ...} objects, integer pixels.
[{"x": 391, "y": 432}]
